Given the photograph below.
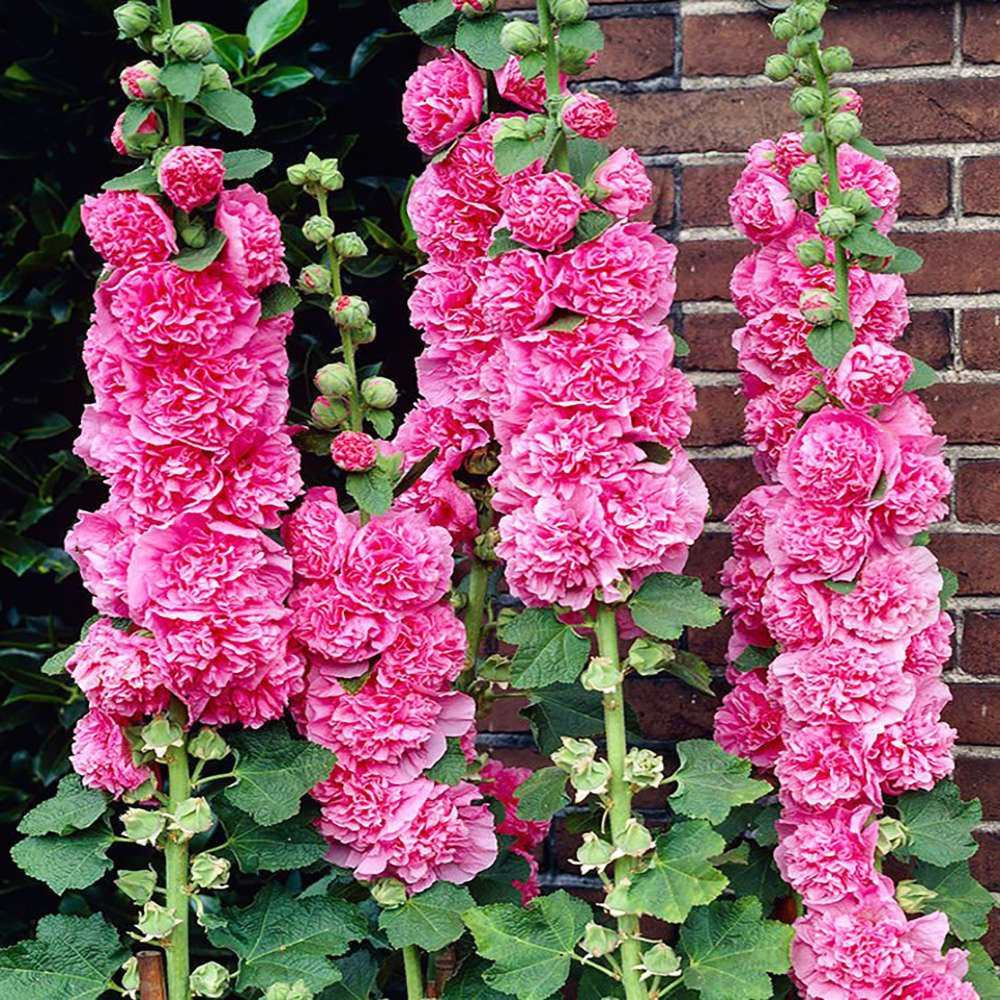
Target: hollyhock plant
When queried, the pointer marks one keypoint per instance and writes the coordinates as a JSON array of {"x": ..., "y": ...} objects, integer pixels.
[
  {"x": 191, "y": 176},
  {"x": 127, "y": 228},
  {"x": 589, "y": 115},
  {"x": 624, "y": 187},
  {"x": 442, "y": 99}
]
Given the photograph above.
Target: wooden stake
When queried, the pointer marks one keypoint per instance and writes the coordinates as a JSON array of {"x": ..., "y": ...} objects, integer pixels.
[{"x": 152, "y": 985}]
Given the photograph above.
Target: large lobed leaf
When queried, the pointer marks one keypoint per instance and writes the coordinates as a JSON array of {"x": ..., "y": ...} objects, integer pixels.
[
  {"x": 548, "y": 651},
  {"x": 430, "y": 920},
  {"x": 710, "y": 782}
]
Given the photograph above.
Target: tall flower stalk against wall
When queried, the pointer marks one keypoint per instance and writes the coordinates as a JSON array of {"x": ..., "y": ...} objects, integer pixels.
[{"x": 840, "y": 635}]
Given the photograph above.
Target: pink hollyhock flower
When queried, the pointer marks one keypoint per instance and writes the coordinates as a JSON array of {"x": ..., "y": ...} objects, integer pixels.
[
  {"x": 772, "y": 420},
  {"x": 442, "y": 503},
  {"x": 761, "y": 207},
  {"x": 426, "y": 427},
  {"x": 150, "y": 124},
  {"x": 852, "y": 99},
  {"x": 191, "y": 176},
  {"x": 132, "y": 79},
  {"x": 919, "y": 493},
  {"x": 930, "y": 649},
  {"x": 748, "y": 519},
  {"x": 127, "y": 228},
  {"x": 843, "y": 682},
  {"x": 760, "y": 155},
  {"x": 318, "y": 534},
  {"x": 896, "y": 596},
  {"x": 789, "y": 154},
  {"x": 623, "y": 178},
  {"x": 822, "y": 766},
  {"x": 828, "y": 856},
  {"x": 882, "y": 314},
  {"x": 743, "y": 580},
  {"x": 796, "y": 614},
  {"x": 626, "y": 272},
  {"x": 101, "y": 544},
  {"x": 441, "y": 100},
  {"x": 468, "y": 170},
  {"x": 876, "y": 178},
  {"x": 542, "y": 210},
  {"x": 254, "y": 251},
  {"x": 663, "y": 411},
  {"x": 354, "y": 451},
  {"x": 839, "y": 458},
  {"x": 427, "y": 654},
  {"x": 512, "y": 295},
  {"x": 450, "y": 230},
  {"x": 102, "y": 756},
  {"x": 936, "y": 986},
  {"x": 871, "y": 375},
  {"x": 773, "y": 344},
  {"x": 113, "y": 669},
  {"x": 589, "y": 115},
  {"x": 908, "y": 417},
  {"x": 748, "y": 723},
  {"x": 513, "y": 87},
  {"x": 443, "y": 306}
]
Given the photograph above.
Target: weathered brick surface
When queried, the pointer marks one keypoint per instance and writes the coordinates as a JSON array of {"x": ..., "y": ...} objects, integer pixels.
[
  {"x": 954, "y": 262},
  {"x": 977, "y": 490},
  {"x": 635, "y": 48},
  {"x": 981, "y": 31},
  {"x": 704, "y": 267},
  {"x": 981, "y": 643},
  {"x": 709, "y": 335},
  {"x": 718, "y": 418},
  {"x": 728, "y": 481},
  {"x": 975, "y": 712},
  {"x": 974, "y": 558},
  {"x": 981, "y": 338},
  {"x": 981, "y": 186},
  {"x": 928, "y": 337},
  {"x": 965, "y": 413}
]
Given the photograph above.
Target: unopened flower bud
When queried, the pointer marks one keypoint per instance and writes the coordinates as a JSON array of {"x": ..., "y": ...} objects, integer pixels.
[
  {"x": 289, "y": 991},
  {"x": 799, "y": 47},
  {"x": 805, "y": 178},
  {"x": 601, "y": 674},
  {"x": 194, "y": 234},
  {"x": 646, "y": 656},
  {"x": 349, "y": 311},
  {"x": 378, "y": 392},
  {"x": 591, "y": 780},
  {"x": 835, "y": 222},
  {"x": 156, "y": 921},
  {"x": 143, "y": 793},
  {"x": 660, "y": 960},
  {"x": 520, "y": 38},
  {"x": 811, "y": 253},
  {"x": 141, "y": 82},
  {"x": 913, "y": 897},
  {"x": 569, "y": 11},
  {"x": 595, "y": 854},
  {"x": 573, "y": 59},
  {"x": 482, "y": 461},
  {"x": 209, "y": 980},
  {"x": 779, "y": 67},
  {"x": 844, "y": 126},
  {"x": 804, "y": 71},
  {"x": 214, "y": 77},
  {"x": 160, "y": 42},
  {"x": 807, "y": 101},
  {"x": 836, "y": 59},
  {"x": 475, "y": 8},
  {"x": 316, "y": 175},
  {"x": 209, "y": 871},
  {"x": 574, "y": 754},
  {"x": 130, "y": 977},
  {"x": 349, "y": 245},
  {"x": 137, "y": 885},
  {"x": 389, "y": 893},
  {"x": 145, "y": 139},
  {"x": 635, "y": 840},
  {"x": 190, "y": 41},
  {"x": 891, "y": 834},
  {"x": 485, "y": 545},
  {"x": 363, "y": 334},
  {"x": 813, "y": 142},
  {"x": 318, "y": 229},
  {"x": 208, "y": 745},
  {"x": 193, "y": 815},
  {"x": 315, "y": 279},
  {"x": 598, "y": 940},
  {"x": 783, "y": 27},
  {"x": 160, "y": 734},
  {"x": 856, "y": 200},
  {"x": 643, "y": 768},
  {"x": 807, "y": 17},
  {"x": 133, "y": 18},
  {"x": 818, "y": 306},
  {"x": 354, "y": 451},
  {"x": 334, "y": 380},
  {"x": 328, "y": 414}
]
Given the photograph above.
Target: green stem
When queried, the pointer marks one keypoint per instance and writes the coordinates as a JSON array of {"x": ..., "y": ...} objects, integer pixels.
[
  {"x": 553, "y": 90},
  {"x": 176, "y": 851},
  {"x": 414, "y": 974},
  {"x": 175, "y": 108},
  {"x": 479, "y": 576},
  {"x": 621, "y": 797}
]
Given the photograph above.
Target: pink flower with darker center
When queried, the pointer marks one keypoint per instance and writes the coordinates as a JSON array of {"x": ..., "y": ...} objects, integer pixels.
[
  {"x": 354, "y": 451},
  {"x": 623, "y": 178},
  {"x": 127, "y": 228},
  {"x": 441, "y": 100},
  {"x": 542, "y": 210},
  {"x": 589, "y": 115},
  {"x": 191, "y": 176}
]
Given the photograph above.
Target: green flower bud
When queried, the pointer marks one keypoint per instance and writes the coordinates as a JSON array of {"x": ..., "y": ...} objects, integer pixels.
[
  {"x": 349, "y": 245},
  {"x": 141, "y": 794},
  {"x": 572, "y": 58},
  {"x": 133, "y": 18},
  {"x": 214, "y": 77},
  {"x": 379, "y": 393},
  {"x": 574, "y": 754},
  {"x": 316, "y": 175},
  {"x": 209, "y": 871},
  {"x": 779, "y": 67},
  {"x": 818, "y": 306},
  {"x": 191, "y": 42},
  {"x": 913, "y": 897},
  {"x": 194, "y": 234},
  {"x": 799, "y": 47},
  {"x": 844, "y": 126},
  {"x": 835, "y": 222},
  {"x": 813, "y": 142},
  {"x": 297, "y": 174},
  {"x": 209, "y": 980},
  {"x": 485, "y": 545},
  {"x": 646, "y": 656},
  {"x": 334, "y": 380},
  {"x": 660, "y": 960},
  {"x": 594, "y": 854},
  {"x": 783, "y": 26},
  {"x": 192, "y": 816},
  {"x": 363, "y": 334},
  {"x": 328, "y": 414},
  {"x": 389, "y": 893},
  {"x": 836, "y": 59},
  {"x": 811, "y": 253},
  {"x": 160, "y": 42},
  {"x": 891, "y": 834},
  {"x": 635, "y": 840},
  {"x": 137, "y": 885},
  {"x": 807, "y": 17},
  {"x": 643, "y": 768},
  {"x": 569, "y": 11},
  {"x": 318, "y": 229},
  {"x": 208, "y": 745},
  {"x": 289, "y": 991},
  {"x": 592, "y": 779},
  {"x": 315, "y": 279},
  {"x": 130, "y": 976},
  {"x": 598, "y": 940},
  {"x": 158, "y": 735},
  {"x": 807, "y": 101},
  {"x": 481, "y": 461},
  {"x": 520, "y": 38},
  {"x": 156, "y": 922},
  {"x": 601, "y": 674},
  {"x": 349, "y": 311},
  {"x": 804, "y": 71},
  {"x": 856, "y": 200},
  {"x": 805, "y": 178}
]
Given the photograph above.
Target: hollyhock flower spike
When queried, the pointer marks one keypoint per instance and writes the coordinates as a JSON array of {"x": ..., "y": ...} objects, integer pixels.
[{"x": 191, "y": 176}]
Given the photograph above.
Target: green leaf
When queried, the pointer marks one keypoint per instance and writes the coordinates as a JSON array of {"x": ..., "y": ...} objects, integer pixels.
[
  {"x": 666, "y": 603},
  {"x": 422, "y": 17},
  {"x": 679, "y": 876},
  {"x": 182, "y": 80},
  {"x": 141, "y": 179},
  {"x": 415, "y": 471},
  {"x": 294, "y": 843},
  {"x": 583, "y": 35},
  {"x": 382, "y": 422},
  {"x": 66, "y": 862},
  {"x": 829, "y": 344},
  {"x": 841, "y": 586},
  {"x": 70, "y": 958},
  {"x": 565, "y": 321},
  {"x": 758, "y": 877},
  {"x": 272, "y": 22},
  {"x": 949, "y": 587},
  {"x": 371, "y": 490},
  {"x": 512, "y": 155},
  {"x": 278, "y": 299},
  {"x": 192, "y": 259},
  {"x": 502, "y": 243},
  {"x": 731, "y": 951},
  {"x": 710, "y": 782},
  {"x": 966, "y": 903},
  {"x": 866, "y": 146},
  {"x": 530, "y": 947},
  {"x": 755, "y": 657},
  {"x": 230, "y": 108},
  {"x": 285, "y": 78},
  {"x": 904, "y": 261},
  {"x": 451, "y": 768},
  {"x": 922, "y": 377},
  {"x": 359, "y": 973},
  {"x": 542, "y": 795},
  {"x": 274, "y": 772},
  {"x": 584, "y": 156},
  {"x": 56, "y": 663},
  {"x": 690, "y": 669},
  {"x": 563, "y": 710},
  {"x": 479, "y": 39},
  {"x": 73, "y": 807},
  {"x": 469, "y": 985},
  {"x": 938, "y": 824},
  {"x": 430, "y": 920},
  {"x": 681, "y": 347},
  {"x": 241, "y": 164},
  {"x": 982, "y": 972},
  {"x": 548, "y": 651},
  {"x": 278, "y": 938},
  {"x": 531, "y": 65},
  {"x": 590, "y": 225},
  {"x": 866, "y": 239}
]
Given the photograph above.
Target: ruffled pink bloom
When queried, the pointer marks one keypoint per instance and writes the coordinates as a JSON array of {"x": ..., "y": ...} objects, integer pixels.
[
  {"x": 102, "y": 756},
  {"x": 936, "y": 986},
  {"x": 882, "y": 314},
  {"x": 772, "y": 420},
  {"x": 761, "y": 207},
  {"x": 151, "y": 123},
  {"x": 919, "y": 493},
  {"x": 542, "y": 210},
  {"x": 191, "y": 176},
  {"x": 773, "y": 344},
  {"x": 253, "y": 251},
  {"x": 623, "y": 178},
  {"x": 852, "y": 99},
  {"x": 871, "y": 375},
  {"x": 748, "y": 519},
  {"x": 442, "y": 99},
  {"x": 318, "y": 534},
  {"x": 930, "y": 649},
  {"x": 127, "y": 228},
  {"x": 528, "y": 94},
  {"x": 748, "y": 723},
  {"x": 426, "y": 427},
  {"x": 451, "y": 230},
  {"x": 512, "y": 294},
  {"x": 354, "y": 451},
  {"x": 101, "y": 544},
  {"x": 663, "y": 411},
  {"x": 743, "y": 579},
  {"x": 796, "y": 614},
  {"x": 589, "y": 115},
  {"x": 442, "y": 503},
  {"x": 427, "y": 654},
  {"x": 875, "y": 177}
]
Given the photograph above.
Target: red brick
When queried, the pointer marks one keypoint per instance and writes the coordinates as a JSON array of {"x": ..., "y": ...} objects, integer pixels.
[
  {"x": 738, "y": 44},
  {"x": 928, "y": 337},
  {"x": 661, "y": 209},
  {"x": 966, "y": 413},
  {"x": 704, "y": 268},
  {"x": 974, "y": 558},
  {"x": 704, "y": 191},
  {"x": 710, "y": 643},
  {"x": 504, "y": 717},
  {"x": 728, "y": 481},
  {"x": 707, "y": 556},
  {"x": 980, "y": 642},
  {"x": 981, "y": 33},
  {"x": 668, "y": 709},
  {"x": 635, "y": 48},
  {"x": 981, "y": 186},
  {"x": 926, "y": 186},
  {"x": 985, "y": 864},
  {"x": 977, "y": 491},
  {"x": 954, "y": 262},
  {"x": 981, "y": 338},
  {"x": 718, "y": 417},
  {"x": 709, "y": 335},
  {"x": 979, "y": 778},
  {"x": 974, "y": 711}
]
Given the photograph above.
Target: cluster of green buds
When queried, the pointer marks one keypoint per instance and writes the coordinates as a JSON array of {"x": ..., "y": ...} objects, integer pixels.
[{"x": 525, "y": 38}]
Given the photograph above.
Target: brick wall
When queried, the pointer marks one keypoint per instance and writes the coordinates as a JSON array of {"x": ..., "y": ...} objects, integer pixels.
[{"x": 685, "y": 80}]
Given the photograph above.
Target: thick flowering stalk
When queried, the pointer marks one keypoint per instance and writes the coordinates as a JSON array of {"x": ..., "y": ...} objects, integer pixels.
[{"x": 839, "y": 637}]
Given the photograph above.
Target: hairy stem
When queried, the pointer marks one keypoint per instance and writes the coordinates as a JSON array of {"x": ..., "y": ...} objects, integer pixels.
[
  {"x": 560, "y": 152},
  {"x": 414, "y": 974},
  {"x": 478, "y": 578},
  {"x": 175, "y": 108},
  {"x": 176, "y": 851}
]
